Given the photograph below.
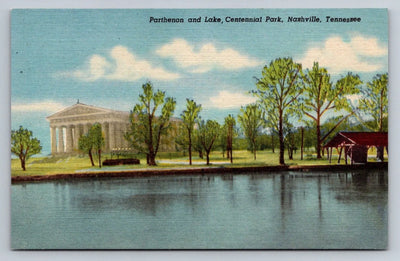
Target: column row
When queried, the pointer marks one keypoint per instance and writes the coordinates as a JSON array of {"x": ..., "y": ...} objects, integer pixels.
[{"x": 65, "y": 139}]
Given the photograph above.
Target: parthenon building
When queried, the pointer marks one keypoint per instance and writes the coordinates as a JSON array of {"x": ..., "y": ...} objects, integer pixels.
[{"x": 68, "y": 125}]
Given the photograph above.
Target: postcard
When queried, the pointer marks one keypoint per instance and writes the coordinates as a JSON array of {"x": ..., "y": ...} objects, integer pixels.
[{"x": 199, "y": 129}]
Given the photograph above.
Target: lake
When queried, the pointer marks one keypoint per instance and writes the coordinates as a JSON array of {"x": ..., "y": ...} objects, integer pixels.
[{"x": 288, "y": 210}]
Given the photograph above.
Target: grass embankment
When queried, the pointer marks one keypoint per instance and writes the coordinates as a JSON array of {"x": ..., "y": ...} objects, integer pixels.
[{"x": 76, "y": 164}]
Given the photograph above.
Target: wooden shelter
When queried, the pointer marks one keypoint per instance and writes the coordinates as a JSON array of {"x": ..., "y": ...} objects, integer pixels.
[{"x": 356, "y": 145}]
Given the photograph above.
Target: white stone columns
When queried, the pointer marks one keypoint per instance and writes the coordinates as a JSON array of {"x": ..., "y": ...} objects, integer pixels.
[
  {"x": 124, "y": 141},
  {"x": 118, "y": 136},
  {"x": 53, "y": 135},
  {"x": 104, "y": 131},
  {"x": 111, "y": 135},
  {"x": 68, "y": 139},
  {"x": 60, "y": 147},
  {"x": 77, "y": 135}
]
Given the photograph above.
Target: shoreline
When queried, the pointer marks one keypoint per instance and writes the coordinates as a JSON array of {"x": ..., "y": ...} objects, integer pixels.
[{"x": 195, "y": 171}]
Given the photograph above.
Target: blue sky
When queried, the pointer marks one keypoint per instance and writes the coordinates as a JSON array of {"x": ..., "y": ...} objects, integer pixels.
[{"x": 102, "y": 57}]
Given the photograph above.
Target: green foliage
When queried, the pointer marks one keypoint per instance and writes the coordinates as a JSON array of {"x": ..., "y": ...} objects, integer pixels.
[
  {"x": 97, "y": 136},
  {"x": 92, "y": 141},
  {"x": 208, "y": 134},
  {"x": 374, "y": 103},
  {"x": 321, "y": 96},
  {"x": 278, "y": 91},
  {"x": 251, "y": 119},
  {"x": 24, "y": 145},
  {"x": 147, "y": 128},
  {"x": 197, "y": 146},
  {"x": 228, "y": 133},
  {"x": 189, "y": 118}
]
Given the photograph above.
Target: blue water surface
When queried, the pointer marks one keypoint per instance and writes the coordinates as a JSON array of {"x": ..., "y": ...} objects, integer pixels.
[{"x": 286, "y": 210}]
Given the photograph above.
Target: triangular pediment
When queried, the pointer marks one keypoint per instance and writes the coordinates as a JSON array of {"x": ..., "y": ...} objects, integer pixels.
[{"x": 78, "y": 109}]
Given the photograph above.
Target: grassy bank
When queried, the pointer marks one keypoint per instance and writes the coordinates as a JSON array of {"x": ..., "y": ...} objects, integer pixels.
[{"x": 79, "y": 164}]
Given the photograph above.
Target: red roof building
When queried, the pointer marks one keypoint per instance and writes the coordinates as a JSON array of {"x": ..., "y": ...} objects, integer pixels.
[{"x": 356, "y": 145}]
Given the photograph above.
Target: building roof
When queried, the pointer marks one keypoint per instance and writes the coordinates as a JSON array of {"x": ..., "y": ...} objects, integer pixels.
[
  {"x": 80, "y": 109},
  {"x": 359, "y": 138}
]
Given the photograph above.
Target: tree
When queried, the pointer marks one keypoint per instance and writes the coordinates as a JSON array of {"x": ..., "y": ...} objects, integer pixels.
[
  {"x": 189, "y": 118},
  {"x": 278, "y": 91},
  {"x": 374, "y": 104},
  {"x": 321, "y": 96},
  {"x": 85, "y": 144},
  {"x": 229, "y": 127},
  {"x": 97, "y": 139},
  {"x": 93, "y": 140},
  {"x": 197, "y": 146},
  {"x": 208, "y": 133},
  {"x": 147, "y": 128},
  {"x": 24, "y": 145},
  {"x": 251, "y": 118},
  {"x": 292, "y": 138}
]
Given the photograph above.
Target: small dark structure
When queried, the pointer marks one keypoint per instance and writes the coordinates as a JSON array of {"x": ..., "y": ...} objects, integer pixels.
[
  {"x": 356, "y": 145},
  {"x": 113, "y": 162}
]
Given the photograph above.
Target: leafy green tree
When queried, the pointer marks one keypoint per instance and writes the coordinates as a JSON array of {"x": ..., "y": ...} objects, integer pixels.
[
  {"x": 251, "y": 118},
  {"x": 197, "y": 146},
  {"x": 189, "y": 118},
  {"x": 293, "y": 139},
  {"x": 92, "y": 141},
  {"x": 24, "y": 145},
  {"x": 208, "y": 134},
  {"x": 97, "y": 139},
  {"x": 229, "y": 130},
  {"x": 278, "y": 91},
  {"x": 86, "y": 145},
  {"x": 374, "y": 103},
  {"x": 147, "y": 128},
  {"x": 321, "y": 96}
]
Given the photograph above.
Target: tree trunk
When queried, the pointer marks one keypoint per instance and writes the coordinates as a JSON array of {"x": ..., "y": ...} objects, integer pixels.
[
  {"x": 201, "y": 154},
  {"x": 281, "y": 141},
  {"x": 91, "y": 157},
  {"x": 152, "y": 160},
  {"x": 151, "y": 154},
  {"x": 290, "y": 153},
  {"x": 208, "y": 157},
  {"x": 318, "y": 140},
  {"x": 190, "y": 148},
  {"x": 22, "y": 163}
]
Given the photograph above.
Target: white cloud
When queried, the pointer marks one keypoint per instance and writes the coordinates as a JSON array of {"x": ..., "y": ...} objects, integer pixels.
[
  {"x": 354, "y": 99},
  {"x": 340, "y": 56},
  {"x": 206, "y": 57},
  {"x": 122, "y": 65},
  {"x": 45, "y": 106},
  {"x": 227, "y": 100}
]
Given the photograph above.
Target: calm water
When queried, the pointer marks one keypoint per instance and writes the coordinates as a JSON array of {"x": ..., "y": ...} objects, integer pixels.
[{"x": 285, "y": 210}]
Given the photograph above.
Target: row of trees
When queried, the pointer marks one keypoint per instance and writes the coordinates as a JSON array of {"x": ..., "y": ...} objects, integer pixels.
[
  {"x": 285, "y": 94},
  {"x": 147, "y": 128}
]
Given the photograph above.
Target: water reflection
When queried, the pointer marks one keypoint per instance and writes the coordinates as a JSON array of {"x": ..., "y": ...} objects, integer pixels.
[{"x": 282, "y": 210}]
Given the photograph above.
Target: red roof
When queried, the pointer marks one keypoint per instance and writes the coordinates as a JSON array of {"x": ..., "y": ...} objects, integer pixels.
[{"x": 359, "y": 138}]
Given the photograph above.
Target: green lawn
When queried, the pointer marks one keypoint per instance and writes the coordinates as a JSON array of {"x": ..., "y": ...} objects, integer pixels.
[{"x": 61, "y": 165}]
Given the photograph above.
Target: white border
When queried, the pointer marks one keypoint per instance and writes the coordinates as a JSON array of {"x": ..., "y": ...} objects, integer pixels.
[{"x": 394, "y": 123}]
